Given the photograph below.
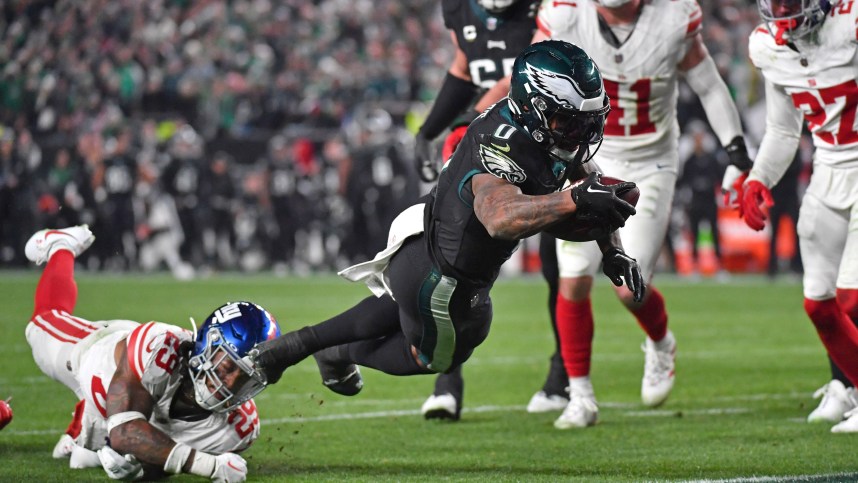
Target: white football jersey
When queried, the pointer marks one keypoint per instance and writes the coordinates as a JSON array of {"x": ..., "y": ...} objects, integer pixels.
[
  {"x": 640, "y": 74},
  {"x": 153, "y": 355},
  {"x": 823, "y": 87}
]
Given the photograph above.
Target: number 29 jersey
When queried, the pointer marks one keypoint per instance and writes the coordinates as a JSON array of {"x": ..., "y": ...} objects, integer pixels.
[
  {"x": 823, "y": 87},
  {"x": 640, "y": 73},
  {"x": 153, "y": 354}
]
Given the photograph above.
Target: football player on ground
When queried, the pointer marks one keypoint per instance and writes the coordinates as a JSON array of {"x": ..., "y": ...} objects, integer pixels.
[
  {"x": 432, "y": 306},
  {"x": 641, "y": 48},
  {"x": 155, "y": 399},
  {"x": 488, "y": 34},
  {"x": 808, "y": 54}
]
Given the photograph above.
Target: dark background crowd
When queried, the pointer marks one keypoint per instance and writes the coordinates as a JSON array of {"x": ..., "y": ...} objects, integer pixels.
[{"x": 208, "y": 135}]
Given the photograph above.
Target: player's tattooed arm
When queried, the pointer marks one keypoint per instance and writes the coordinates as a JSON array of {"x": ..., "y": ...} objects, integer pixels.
[
  {"x": 150, "y": 445},
  {"x": 508, "y": 214}
]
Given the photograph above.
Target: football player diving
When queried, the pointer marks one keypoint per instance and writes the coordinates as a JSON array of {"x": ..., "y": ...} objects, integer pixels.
[
  {"x": 432, "y": 305},
  {"x": 155, "y": 399},
  {"x": 487, "y": 34}
]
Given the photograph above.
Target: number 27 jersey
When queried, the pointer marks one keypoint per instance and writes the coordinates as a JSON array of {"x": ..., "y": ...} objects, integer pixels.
[
  {"x": 640, "y": 73},
  {"x": 824, "y": 86}
]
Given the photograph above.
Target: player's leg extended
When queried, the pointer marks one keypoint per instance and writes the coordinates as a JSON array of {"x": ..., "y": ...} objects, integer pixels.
[
  {"x": 847, "y": 299},
  {"x": 53, "y": 331},
  {"x": 578, "y": 263},
  {"x": 554, "y": 395},
  {"x": 643, "y": 237},
  {"x": 822, "y": 240}
]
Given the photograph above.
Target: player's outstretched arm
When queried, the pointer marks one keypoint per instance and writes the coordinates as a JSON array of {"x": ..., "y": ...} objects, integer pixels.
[
  {"x": 508, "y": 214},
  {"x": 129, "y": 406}
]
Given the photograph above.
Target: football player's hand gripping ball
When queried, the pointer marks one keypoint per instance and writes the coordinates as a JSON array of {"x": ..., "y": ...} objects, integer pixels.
[
  {"x": 618, "y": 266},
  {"x": 755, "y": 197},
  {"x": 229, "y": 468},
  {"x": 596, "y": 200},
  {"x": 119, "y": 467}
]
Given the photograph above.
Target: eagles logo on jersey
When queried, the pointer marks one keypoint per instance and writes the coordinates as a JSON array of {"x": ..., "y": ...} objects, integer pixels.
[{"x": 501, "y": 165}]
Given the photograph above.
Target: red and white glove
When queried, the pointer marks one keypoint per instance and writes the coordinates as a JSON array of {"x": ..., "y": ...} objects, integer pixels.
[
  {"x": 229, "y": 468},
  {"x": 5, "y": 413},
  {"x": 731, "y": 186},
  {"x": 452, "y": 142},
  {"x": 755, "y": 195}
]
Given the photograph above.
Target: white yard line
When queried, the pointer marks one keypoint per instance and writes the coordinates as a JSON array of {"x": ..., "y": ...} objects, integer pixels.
[
  {"x": 628, "y": 410},
  {"x": 775, "y": 479}
]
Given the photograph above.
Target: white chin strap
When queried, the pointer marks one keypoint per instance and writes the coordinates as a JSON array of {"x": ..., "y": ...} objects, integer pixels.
[{"x": 613, "y": 3}]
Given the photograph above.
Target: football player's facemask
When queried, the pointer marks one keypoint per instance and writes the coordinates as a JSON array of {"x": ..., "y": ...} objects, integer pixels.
[
  {"x": 496, "y": 6},
  {"x": 557, "y": 94},
  {"x": 223, "y": 375},
  {"x": 788, "y": 20}
]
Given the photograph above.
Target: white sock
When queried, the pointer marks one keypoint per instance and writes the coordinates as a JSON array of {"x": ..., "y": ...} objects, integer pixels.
[
  {"x": 666, "y": 343},
  {"x": 581, "y": 385}
]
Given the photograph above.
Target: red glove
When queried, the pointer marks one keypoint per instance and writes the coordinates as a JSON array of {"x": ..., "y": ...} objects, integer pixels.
[
  {"x": 452, "y": 141},
  {"x": 755, "y": 194},
  {"x": 5, "y": 413}
]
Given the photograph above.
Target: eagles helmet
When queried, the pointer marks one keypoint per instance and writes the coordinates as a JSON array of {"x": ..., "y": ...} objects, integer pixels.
[
  {"x": 228, "y": 334},
  {"x": 496, "y": 6},
  {"x": 793, "y": 19},
  {"x": 557, "y": 95}
]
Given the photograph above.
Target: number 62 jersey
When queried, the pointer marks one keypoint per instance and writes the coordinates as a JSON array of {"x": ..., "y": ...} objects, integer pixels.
[
  {"x": 153, "y": 354},
  {"x": 819, "y": 77}
]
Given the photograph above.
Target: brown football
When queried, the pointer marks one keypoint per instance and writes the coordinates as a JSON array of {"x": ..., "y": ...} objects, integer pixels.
[{"x": 575, "y": 228}]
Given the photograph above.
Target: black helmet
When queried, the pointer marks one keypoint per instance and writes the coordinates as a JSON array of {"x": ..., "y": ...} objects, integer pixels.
[{"x": 557, "y": 95}]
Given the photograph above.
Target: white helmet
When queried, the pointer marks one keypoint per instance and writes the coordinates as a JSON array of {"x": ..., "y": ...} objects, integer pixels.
[{"x": 792, "y": 19}]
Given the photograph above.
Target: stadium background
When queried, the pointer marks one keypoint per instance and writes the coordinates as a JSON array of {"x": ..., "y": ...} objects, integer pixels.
[{"x": 204, "y": 136}]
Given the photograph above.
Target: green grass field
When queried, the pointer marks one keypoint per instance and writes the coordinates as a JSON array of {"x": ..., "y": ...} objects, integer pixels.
[{"x": 748, "y": 362}]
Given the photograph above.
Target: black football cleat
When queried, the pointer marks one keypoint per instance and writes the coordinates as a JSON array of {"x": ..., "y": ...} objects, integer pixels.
[{"x": 340, "y": 376}]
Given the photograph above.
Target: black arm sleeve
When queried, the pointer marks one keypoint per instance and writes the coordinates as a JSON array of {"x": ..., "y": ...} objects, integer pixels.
[{"x": 455, "y": 96}]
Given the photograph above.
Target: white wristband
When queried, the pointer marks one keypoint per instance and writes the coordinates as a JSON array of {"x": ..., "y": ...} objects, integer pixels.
[
  {"x": 203, "y": 465},
  {"x": 122, "y": 418},
  {"x": 177, "y": 458}
]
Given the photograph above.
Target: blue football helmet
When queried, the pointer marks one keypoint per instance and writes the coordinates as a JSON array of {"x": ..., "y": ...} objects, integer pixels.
[
  {"x": 557, "y": 95},
  {"x": 228, "y": 334},
  {"x": 789, "y": 20}
]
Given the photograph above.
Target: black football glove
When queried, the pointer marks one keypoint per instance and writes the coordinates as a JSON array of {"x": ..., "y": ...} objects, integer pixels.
[
  {"x": 738, "y": 154},
  {"x": 618, "y": 266},
  {"x": 595, "y": 200},
  {"x": 426, "y": 166}
]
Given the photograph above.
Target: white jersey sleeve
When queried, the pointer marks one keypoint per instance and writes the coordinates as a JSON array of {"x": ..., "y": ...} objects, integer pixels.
[{"x": 153, "y": 355}]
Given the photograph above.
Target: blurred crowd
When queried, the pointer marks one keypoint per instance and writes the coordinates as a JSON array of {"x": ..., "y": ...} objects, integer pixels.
[{"x": 207, "y": 135}]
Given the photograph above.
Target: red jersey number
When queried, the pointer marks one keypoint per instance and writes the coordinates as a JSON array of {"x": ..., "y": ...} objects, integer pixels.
[
  {"x": 618, "y": 117},
  {"x": 168, "y": 356},
  {"x": 814, "y": 111},
  {"x": 245, "y": 419}
]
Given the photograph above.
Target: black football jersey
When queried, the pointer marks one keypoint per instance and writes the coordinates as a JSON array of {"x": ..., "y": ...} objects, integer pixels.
[
  {"x": 120, "y": 175},
  {"x": 497, "y": 145},
  {"x": 490, "y": 42}
]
